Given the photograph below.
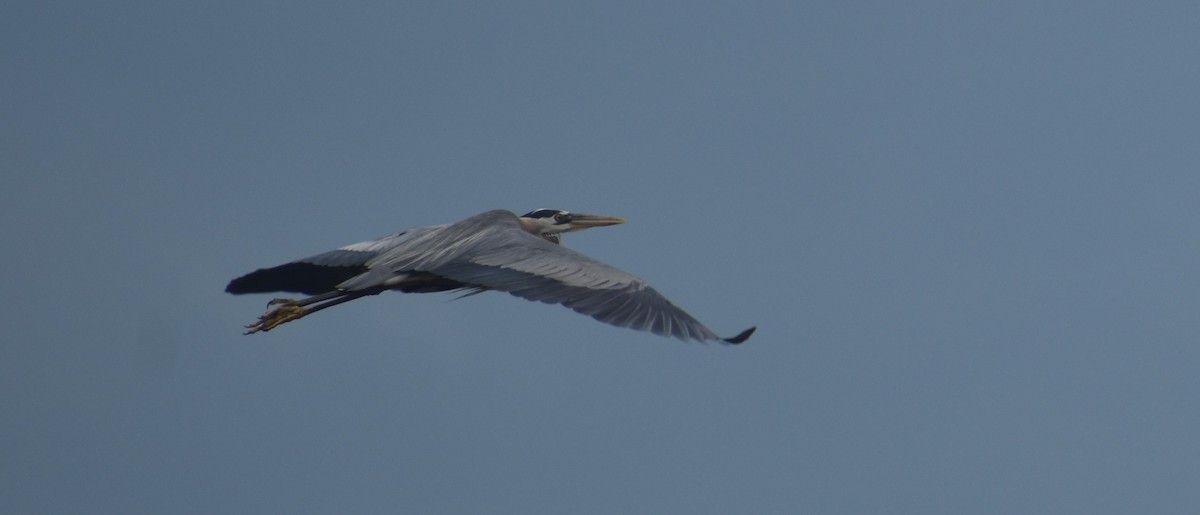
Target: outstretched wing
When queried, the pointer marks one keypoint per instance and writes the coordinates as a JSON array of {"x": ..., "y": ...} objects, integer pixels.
[
  {"x": 493, "y": 251},
  {"x": 323, "y": 272}
]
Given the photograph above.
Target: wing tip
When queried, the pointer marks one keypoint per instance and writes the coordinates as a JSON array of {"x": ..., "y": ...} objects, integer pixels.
[
  {"x": 741, "y": 337},
  {"x": 238, "y": 286},
  {"x": 297, "y": 276}
]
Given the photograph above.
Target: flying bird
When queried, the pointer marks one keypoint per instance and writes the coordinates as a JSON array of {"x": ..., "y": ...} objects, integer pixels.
[{"x": 496, "y": 250}]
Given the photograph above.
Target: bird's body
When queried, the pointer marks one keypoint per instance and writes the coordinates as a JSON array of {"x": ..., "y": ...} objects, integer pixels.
[{"x": 496, "y": 250}]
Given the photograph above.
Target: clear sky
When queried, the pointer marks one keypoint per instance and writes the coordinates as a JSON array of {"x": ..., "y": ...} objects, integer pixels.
[{"x": 967, "y": 233}]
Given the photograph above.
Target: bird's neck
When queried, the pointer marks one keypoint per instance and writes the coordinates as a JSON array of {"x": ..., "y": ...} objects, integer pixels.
[{"x": 535, "y": 228}]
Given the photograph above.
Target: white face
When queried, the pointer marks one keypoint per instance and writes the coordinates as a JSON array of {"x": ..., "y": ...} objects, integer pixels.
[
  {"x": 557, "y": 221},
  {"x": 560, "y": 222},
  {"x": 550, "y": 221}
]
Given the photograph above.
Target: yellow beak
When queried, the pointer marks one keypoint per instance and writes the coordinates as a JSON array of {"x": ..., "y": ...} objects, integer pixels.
[{"x": 580, "y": 221}]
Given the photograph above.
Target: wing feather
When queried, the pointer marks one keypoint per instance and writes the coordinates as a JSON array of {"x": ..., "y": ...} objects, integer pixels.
[
  {"x": 322, "y": 272},
  {"x": 504, "y": 257}
]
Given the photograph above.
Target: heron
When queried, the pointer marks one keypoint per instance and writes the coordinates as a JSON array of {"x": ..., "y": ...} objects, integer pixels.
[{"x": 496, "y": 250}]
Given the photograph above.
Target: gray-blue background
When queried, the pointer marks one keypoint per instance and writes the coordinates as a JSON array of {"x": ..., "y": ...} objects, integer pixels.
[{"x": 967, "y": 233}]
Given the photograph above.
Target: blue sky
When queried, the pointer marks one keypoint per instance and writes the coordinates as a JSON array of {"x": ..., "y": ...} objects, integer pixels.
[{"x": 967, "y": 234}]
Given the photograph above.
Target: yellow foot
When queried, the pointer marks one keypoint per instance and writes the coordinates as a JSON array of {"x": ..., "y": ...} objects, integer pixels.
[{"x": 286, "y": 311}]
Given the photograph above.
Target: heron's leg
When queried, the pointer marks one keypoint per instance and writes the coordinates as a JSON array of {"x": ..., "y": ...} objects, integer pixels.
[
  {"x": 286, "y": 310},
  {"x": 283, "y": 312},
  {"x": 307, "y": 300}
]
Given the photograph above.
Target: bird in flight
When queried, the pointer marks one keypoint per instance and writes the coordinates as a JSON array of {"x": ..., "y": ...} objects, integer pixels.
[{"x": 496, "y": 250}]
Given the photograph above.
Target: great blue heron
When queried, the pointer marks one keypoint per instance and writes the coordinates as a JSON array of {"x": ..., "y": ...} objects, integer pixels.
[{"x": 496, "y": 250}]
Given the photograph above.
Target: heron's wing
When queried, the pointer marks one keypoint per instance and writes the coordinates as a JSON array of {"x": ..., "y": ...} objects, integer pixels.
[
  {"x": 361, "y": 253},
  {"x": 322, "y": 272},
  {"x": 502, "y": 256}
]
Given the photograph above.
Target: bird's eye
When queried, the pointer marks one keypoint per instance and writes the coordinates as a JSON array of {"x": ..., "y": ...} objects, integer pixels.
[{"x": 560, "y": 217}]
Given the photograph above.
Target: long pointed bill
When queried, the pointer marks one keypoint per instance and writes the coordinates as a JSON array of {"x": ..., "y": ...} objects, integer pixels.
[{"x": 579, "y": 221}]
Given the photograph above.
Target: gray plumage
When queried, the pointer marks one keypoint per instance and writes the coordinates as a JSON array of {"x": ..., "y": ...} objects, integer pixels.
[{"x": 495, "y": 250}]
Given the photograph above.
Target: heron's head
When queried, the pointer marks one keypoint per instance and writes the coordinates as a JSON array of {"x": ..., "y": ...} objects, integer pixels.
[{"x": 551, "y": 223}]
